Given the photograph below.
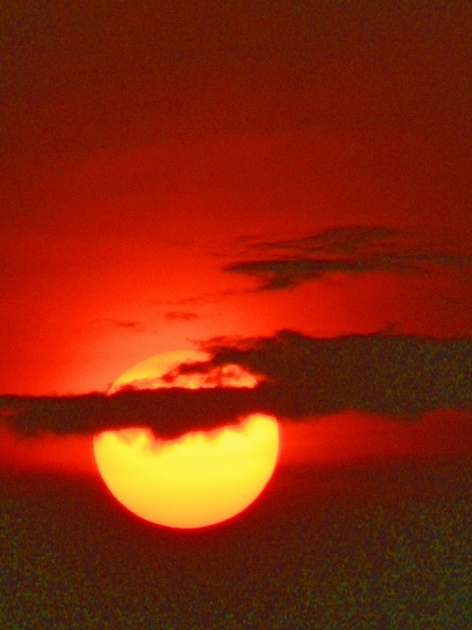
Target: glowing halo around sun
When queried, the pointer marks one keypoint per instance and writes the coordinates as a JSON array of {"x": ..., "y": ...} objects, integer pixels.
[{"x": 199, "y": 479}]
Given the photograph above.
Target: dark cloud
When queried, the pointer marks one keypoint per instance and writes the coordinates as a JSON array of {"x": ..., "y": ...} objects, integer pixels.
[
  {"x": 352, "y": 250},
  {"x": 169, "y": 412},
  {"x": 399, "y": 376},
  {"x": 300, "y": 377},
  {"x": 180, "y": 316}
]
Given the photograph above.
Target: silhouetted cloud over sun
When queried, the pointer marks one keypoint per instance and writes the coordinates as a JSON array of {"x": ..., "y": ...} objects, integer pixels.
[{"x": 299, "y": 377}]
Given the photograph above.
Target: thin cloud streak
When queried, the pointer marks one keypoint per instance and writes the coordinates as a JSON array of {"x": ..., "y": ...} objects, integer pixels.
[
  {"x": 135, "y": 325},
  {"x": 354, "y": 250},
  {"x": 173, "y": 316}
]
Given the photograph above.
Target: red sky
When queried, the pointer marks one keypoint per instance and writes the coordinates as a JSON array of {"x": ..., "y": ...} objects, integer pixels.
[
  {"x": 291, "y": 177},
  {"x": 145, "y": 151}
]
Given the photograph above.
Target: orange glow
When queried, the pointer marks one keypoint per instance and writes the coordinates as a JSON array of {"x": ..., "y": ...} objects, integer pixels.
[
  {"x": 199, "y": 479},
  {"x": 148, "y": 373}
]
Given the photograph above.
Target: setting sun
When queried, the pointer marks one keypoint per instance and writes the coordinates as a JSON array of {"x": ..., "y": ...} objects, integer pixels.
[{"x": 199, "y": 479}]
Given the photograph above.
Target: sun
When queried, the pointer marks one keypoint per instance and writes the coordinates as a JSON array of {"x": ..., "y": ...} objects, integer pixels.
[{"x": 199, "y": 479}]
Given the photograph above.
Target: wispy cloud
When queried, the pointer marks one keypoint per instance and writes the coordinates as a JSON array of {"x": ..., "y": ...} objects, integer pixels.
[
  {"x": 285, "y": 264},
  {"x": 173, "y": 316},
  {"x": 135, "y": 325},
  {"x": 300, "y": 377}
]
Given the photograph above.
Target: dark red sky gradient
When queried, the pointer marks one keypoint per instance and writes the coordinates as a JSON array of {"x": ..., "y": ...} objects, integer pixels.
[{"x": 147, "y": 150}]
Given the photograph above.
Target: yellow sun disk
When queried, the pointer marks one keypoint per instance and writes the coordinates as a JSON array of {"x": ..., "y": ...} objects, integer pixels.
[
  {"x": 197, "y": 480},
  {"x": 203, "y": 477}
]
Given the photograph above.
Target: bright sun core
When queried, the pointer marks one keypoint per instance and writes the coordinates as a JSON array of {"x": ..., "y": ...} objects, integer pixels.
[{"x": 200, "y": 479}]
